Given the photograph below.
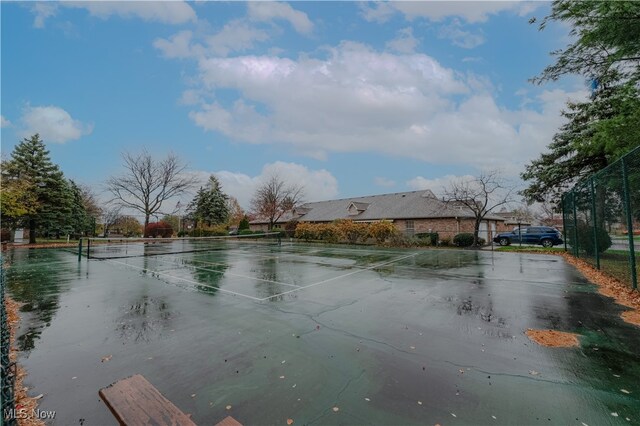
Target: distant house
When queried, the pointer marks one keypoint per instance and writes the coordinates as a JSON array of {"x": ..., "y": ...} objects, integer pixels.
[
  {"x": 514, "y": 219},
  {"x": 411, "y": 212}
]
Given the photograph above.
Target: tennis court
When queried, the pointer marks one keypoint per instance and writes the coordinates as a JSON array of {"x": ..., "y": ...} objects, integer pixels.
[{"x": 324, "y": 334}]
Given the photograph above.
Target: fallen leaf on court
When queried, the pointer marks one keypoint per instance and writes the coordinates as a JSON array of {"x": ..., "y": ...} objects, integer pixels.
[
  {"x": 412, "y": 347},
  {"x": 461, "y": 371},
  {"x": 283, "y": 362},
  {"x": 73, "y": 378},
  {"x": 494, "y": 417},
  {"x": 584, "y": 424},
  {"x": 419, "y": 402},
  {"x": 533, "y": 372},
  {"x": 294, "y": 385},
  {"x": 367, "y": 399},
  {"x": 282, "y": 377},
  {"x": 106, "y": 358},
  {"x": 335, "y": 409},
  {"x": 228, "y": 407},
  {"x": 38, "y": 397},
  {"x": 614, "y": 414},
  {"x": 193, "y": 395},
  {"x": 453, "y": 415},
  {"x": 616, "y": 375},
  {"x": 150, "y": 357},
  {"x": 289, "y": 421},
  {"x": 624, "y": 391}
]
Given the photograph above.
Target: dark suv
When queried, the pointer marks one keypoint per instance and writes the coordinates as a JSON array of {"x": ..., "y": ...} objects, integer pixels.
[{"x": 544, "y": 235}]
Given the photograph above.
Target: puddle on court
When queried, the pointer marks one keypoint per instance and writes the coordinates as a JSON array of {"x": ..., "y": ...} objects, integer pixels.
[{"x": 387, "y": 336}]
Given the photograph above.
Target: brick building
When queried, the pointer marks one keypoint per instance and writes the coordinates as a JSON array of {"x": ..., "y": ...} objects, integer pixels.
[{"x": 411, "y": 212}]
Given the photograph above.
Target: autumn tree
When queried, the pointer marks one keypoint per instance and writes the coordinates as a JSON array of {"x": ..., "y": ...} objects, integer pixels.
[
  {"x": 236, "y": 212},
  {"x": 481, "y": 195},
  {"x": 147, "y": 182},
  {"x": 110, "y": 216},
  {"x": 274, "y": 198}
]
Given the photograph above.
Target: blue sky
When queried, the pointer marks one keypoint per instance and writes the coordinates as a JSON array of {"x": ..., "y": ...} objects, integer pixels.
[{"x": 346, "y": 98}]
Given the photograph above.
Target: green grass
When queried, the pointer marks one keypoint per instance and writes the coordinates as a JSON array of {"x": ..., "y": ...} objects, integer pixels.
[{"x": 530, "y": 249}]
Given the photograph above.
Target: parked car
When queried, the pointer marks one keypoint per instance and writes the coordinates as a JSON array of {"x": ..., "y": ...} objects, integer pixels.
[{"x": 543, "y": 235}]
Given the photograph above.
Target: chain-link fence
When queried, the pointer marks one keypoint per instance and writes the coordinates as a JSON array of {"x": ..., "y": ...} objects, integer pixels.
[
  {"x": 8, "y": 369},
  {"x": 601, "y": 218}
]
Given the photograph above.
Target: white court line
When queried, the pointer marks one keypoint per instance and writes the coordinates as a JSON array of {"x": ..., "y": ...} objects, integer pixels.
[
  {"x": 186, "y": 280},
  {"x": 227, "y": 272},
  {"x": 342, "y": 276}
]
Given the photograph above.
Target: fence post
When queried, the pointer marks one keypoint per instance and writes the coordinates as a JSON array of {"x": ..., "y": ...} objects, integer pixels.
[
  {"x": 575, "y": 224},
  {"x": 627, "y": 208},
  {"x": 80, "y": 249},
  {"x": 564, "y": 220},
  {"x": 595, "y": 222}
]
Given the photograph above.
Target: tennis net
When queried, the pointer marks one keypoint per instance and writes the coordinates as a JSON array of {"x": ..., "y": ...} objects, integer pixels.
[{"x": 118, "y": 248}]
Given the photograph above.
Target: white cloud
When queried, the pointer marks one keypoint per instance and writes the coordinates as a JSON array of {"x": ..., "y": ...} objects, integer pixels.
[
  {"x": 384, "y": 182},
  {"x": 4, "y": 122},
  {"x": 168, "y": 12},
  {"x": 178, "y": 45},
  {"x": 268, "y": 11},
  {"x": 460, "y": 37},
  {"x": 469, "y": 11},
  {"x": 54, "y": 124},
  {"x": 360, "y": 100},
  {"x": 377, "y": 11},
  {"x": 42, "y": 11},
  {"x": 318, "y": 184},
  {"x": 236, "y": 35},
  {"x": 405, "y": 42},
  {"x": 472, "y": 59},
  {"x": 436, "y": 185}
]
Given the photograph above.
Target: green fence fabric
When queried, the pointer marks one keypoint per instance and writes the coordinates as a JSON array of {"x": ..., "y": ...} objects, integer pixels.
[
  {"x": 7, "y": 377},
  {"x": 601, "y": 218}
]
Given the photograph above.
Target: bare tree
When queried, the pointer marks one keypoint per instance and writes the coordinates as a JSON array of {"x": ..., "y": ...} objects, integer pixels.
[
  {"x": 147, "y": 183},
  {"x": 548, "y": 212},
  {"x": 110, "y": 216},
  {"x": 274, "y": 198},
  {"x": 481, "y": 195}
]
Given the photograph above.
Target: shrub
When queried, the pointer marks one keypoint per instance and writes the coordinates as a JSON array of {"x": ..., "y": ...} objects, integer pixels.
[
  {"x": 427, "y": 238},
  {"x": 305, "y": 231},
  {"x": 586, "y": 241},
  {"x": 245, "y": 232},
  {"x": 464, "y": 239},
  {"x": 159, "y": 229},
  {"x": 380, "y": 231},
  {"x": 328, "y": 232},
  {"x": 398, "y": 239},
  {"x": 5, "y": 235},
  {"x": 182, "y": 233},
  {"x": 244, "y": 223},
  {"x": 352, "y": 231},
  {"x": 290, "y": 228},
  {"x": 210, "y": 231},
  {"x": 445, "y": 241},
  {"x": 280, "y": 231}
]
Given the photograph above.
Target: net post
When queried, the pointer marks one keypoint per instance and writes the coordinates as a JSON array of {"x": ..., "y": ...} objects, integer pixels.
[
  {"x": 627, "y": 208},
  {"x": 564, "y": 219},
  {"x": 575, "y": 224},
  {"x": 80, "y": 249},
  {"x": 88, "y": 248},
  {"x": 595, "y": 223}
]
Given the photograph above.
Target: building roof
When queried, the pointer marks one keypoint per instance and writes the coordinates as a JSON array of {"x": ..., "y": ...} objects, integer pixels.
[{"x": 400, "y": 205}]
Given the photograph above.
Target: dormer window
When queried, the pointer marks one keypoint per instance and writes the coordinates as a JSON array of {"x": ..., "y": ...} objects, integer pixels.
[{"x": 356, "y": 208}]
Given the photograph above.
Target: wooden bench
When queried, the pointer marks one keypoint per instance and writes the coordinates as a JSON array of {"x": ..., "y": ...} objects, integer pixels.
[{"x": 134, "y": 401}]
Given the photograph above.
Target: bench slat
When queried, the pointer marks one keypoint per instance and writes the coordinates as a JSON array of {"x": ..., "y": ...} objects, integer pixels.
[{"x": 135, "y": 401}]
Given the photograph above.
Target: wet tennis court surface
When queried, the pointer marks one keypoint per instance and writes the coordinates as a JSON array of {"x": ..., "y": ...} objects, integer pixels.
[{"x": 326, "y": 335}]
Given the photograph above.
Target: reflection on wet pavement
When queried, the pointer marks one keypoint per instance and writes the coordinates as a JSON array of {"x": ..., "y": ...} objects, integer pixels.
[{"x": 386, "y": 336}]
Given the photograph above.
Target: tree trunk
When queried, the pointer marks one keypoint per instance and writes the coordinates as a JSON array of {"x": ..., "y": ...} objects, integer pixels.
[
  {"x": 476, "y": 231},
  {"x": 146, "y": 224},
  {"x": 32, "y": 230}
]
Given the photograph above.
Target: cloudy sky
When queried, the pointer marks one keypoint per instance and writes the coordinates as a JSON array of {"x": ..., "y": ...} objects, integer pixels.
[{"x": 346, "y": 98}]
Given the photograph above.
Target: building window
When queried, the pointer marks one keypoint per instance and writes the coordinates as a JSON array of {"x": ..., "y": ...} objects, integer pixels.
[{"x": 408, "y": 226}]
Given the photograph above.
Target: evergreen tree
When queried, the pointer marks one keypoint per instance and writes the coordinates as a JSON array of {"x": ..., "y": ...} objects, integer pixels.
[
  {"x": 210, "y": 205},
  {"x": 606, "y": 52},
  {"x": 30, "y": 164}
]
